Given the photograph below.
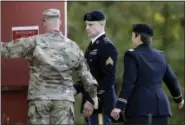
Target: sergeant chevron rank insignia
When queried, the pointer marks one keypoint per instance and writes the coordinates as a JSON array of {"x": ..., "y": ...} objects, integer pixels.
[{"x": 109, "y": 61}]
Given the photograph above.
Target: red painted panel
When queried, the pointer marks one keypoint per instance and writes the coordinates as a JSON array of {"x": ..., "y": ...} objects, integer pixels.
[
  {"x": 14, "y": 107},
  {"x": 25, "y": 13},
  {"x": 22, "y": 14},
  {"x": 14, "y": 72}
]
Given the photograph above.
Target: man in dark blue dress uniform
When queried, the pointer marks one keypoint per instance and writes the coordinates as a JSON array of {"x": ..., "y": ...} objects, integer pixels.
[
  {"x": 141, "y": 98},
  {"x": 101, "y": 57}
]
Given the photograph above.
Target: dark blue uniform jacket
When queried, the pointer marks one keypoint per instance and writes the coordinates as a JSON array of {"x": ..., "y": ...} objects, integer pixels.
[
  {"x": 101, "y": 57},
  {"x": 145, "y": 69}
]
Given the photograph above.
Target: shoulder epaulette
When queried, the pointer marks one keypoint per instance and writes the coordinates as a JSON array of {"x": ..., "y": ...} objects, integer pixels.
[
  {"x": 161, "y": 51},
  {"x": 131, "y": 50},
  {"x": 106, "y": 40}
]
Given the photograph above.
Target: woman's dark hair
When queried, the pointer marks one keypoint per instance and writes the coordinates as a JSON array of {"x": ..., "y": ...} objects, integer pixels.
[{"x": 144, "y": 38}]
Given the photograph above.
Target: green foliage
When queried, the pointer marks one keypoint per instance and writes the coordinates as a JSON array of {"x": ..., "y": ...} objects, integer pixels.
[{"x": 166, "y": 20}]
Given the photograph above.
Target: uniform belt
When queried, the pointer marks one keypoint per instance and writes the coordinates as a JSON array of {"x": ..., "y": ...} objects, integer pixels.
[{"x": 151, "y": 86}]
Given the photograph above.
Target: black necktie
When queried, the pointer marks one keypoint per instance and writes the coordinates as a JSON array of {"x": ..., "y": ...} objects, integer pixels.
[
  {"x": 90, "y": 44},
  {"x": 88, "y": 47}
]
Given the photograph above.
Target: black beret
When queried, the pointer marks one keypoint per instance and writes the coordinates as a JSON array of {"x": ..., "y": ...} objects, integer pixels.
[
  {"x": 143, "y": 29},
  {"x": 96, "y": 15}
]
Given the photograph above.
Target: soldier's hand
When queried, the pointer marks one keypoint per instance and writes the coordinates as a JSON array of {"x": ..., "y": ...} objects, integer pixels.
[
  {"x": 95, "y": 100},
  {"x": 180, "y": 105},
  {"x": 115, "y": 113},
  {"x": 88, "y": 109}
]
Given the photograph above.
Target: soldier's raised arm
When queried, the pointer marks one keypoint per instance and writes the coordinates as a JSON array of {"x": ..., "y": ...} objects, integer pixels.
[
  {"x": 18, "y": 48},
  {"x": 88, "y": 81}
]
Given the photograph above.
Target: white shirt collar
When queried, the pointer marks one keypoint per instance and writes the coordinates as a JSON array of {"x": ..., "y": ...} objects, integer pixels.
[{"x": 95, "y": 38}]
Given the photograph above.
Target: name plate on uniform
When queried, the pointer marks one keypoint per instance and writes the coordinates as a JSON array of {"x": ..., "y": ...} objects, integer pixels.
[{"x": 93, "y": 52}]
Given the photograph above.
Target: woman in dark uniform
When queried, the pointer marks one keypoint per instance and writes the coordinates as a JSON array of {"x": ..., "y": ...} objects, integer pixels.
[{"x": 142, "y": 100}]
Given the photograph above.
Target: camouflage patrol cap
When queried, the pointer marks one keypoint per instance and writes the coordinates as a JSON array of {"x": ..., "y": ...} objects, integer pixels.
[
  {"x": 143, "y": 29},
  {"x": 51, "y": 13}
]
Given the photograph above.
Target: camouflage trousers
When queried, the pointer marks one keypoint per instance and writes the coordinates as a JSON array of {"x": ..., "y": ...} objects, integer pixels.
[{"x": 49, "y": 112}]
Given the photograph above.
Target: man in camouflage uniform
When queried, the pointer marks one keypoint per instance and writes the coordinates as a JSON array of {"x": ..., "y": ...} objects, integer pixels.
[{"x": 51, "y": 57}]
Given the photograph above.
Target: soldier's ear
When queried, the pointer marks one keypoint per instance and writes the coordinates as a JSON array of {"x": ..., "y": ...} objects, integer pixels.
[
  {"x": 102, "y": 23},
  {"x": 138, "y": 36}
]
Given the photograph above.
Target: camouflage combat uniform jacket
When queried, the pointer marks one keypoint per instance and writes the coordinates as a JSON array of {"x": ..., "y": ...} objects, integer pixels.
[{"x": 51, "y": 58}]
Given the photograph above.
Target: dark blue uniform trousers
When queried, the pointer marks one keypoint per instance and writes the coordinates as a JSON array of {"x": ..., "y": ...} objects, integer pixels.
[{"x": 144, "y": 120}]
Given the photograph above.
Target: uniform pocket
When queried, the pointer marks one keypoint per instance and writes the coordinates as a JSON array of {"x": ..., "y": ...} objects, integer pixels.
[{"x": 43, "y": 107}]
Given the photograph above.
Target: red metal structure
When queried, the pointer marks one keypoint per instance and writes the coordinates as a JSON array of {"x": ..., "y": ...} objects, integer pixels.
[{"x": 15, "y": 72}]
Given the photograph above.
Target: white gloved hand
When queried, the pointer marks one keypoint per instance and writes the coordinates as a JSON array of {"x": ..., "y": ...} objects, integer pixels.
[
  {"x": 180, "y": 105},
  {"x": 95, "y": 100}
]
